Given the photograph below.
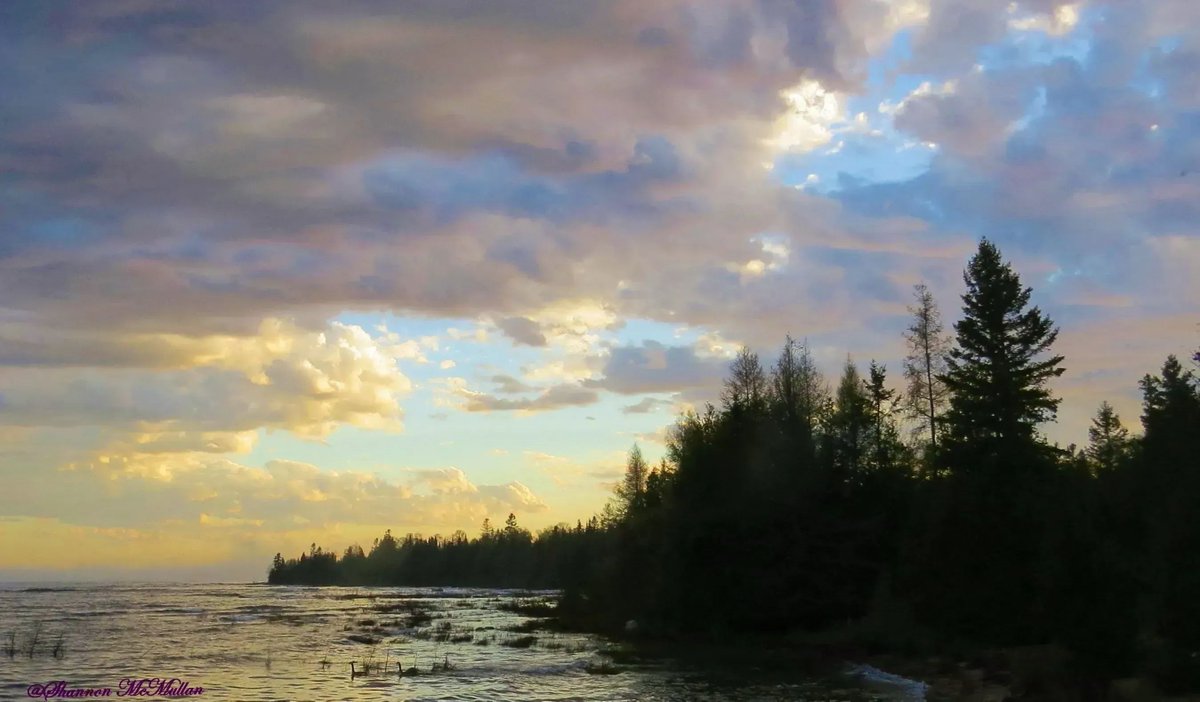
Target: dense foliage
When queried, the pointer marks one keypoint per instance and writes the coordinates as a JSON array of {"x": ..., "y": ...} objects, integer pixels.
[
  {"x": 510, "y": 556},
  {"x": 796, "y": 506}
]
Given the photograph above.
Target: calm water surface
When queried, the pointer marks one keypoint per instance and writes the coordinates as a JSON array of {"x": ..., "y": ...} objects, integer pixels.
[{"x": 255, "y": 642}]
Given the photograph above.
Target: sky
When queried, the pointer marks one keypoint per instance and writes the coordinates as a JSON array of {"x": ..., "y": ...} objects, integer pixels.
[{"x": 276, "y": 273}]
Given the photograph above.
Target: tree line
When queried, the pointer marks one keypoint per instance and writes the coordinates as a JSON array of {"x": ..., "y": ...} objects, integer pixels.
[
  {"x": 794, "y": 504},
  {"x": 508, "y": 556}
]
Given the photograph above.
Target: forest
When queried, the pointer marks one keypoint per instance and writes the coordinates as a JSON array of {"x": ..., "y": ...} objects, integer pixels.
[{"x": 932, "y": 510}]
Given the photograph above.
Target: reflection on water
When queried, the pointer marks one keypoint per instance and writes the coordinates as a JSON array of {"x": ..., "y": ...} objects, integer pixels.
[{"x": 255, "y": 642}]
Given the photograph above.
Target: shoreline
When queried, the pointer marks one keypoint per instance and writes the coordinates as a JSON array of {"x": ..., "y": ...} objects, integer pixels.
[{"x": 936, "y": 673}]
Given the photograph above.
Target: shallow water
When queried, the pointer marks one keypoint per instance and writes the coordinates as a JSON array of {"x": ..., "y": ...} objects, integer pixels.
[{"x": 258, "y": 642}]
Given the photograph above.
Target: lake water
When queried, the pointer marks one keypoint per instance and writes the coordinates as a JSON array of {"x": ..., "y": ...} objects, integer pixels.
[{"x": 258, "y": 642}]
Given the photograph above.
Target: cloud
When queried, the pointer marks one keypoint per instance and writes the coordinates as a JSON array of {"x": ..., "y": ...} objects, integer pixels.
[
  {"x": 272, "y": 186},
  {"x": 646, "y": 406},
  {"x": 971, "y": 115},
  {"x": 522, "y": 331},
  {"x": 188, "y": 509},
  {"x": 566, "y": 472},
  {"x": 514, "y": 495},
  {"x": 552, "y": 398},
  {"x": 274, "y": 495},
  {"x": 307, "y": 382},
  {"x": 508, "y": 385},
  {"x": 656, "y": 367}
]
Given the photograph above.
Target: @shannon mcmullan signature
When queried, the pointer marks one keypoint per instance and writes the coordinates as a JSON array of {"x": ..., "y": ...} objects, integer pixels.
[{"x": 128, "y": 687}]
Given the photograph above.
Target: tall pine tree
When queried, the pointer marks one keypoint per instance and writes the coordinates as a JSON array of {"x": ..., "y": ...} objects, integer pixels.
[{"x": 996, "y": 374}]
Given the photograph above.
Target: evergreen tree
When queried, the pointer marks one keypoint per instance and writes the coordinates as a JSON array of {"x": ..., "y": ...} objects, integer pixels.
[
  {"x": 656, "y": 485},
  {"x": 1109, "y": 440},
  {"x": 997, "y": 381},
  {"x": 1170, "y": 490},
  {"x": 925, "y": 364},
  {"x": 991, "y": 526},
  {"x": 746, "y": 387},
  {"x": 1169, "y": 401},
  {"x": 885, "y": 444},
  {"x": 849, "y": 426},
  {"x": 796, "y": 400},
  {"x": 631, "y": 492}
]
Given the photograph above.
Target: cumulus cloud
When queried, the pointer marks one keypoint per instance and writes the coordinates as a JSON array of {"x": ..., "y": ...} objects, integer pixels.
[
  {"x": 307, "y": 382},
  {"x": 274, "y": 495}
]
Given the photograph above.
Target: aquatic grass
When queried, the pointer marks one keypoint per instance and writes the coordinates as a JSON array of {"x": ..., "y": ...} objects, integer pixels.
[
  {"x": 557, "y": 644},
  {"x": 34, "y": 638},
  {"x": 443, "y": 632},
  {"x": 520, "y": 642},
  {"x": 369, "y": 664},
  {"x": 34, "y": 643},
  {"x": 536, "y": 608},
  {"x": 530, "y": 625},
  {"x": 409, "y": 671}
]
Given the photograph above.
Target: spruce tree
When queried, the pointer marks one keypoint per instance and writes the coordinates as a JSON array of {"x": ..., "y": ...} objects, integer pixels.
[
  {"x": 1170, "y": 490},
  {"x": 996, "y": 374},
  {"x": 1109, "y": 440},
  {"x": 848, "y": 429},
  {"x": 885, "y": 444}
]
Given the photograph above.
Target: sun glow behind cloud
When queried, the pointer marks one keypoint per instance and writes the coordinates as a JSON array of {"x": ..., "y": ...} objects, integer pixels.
[{"x": 811, "y": 112}]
